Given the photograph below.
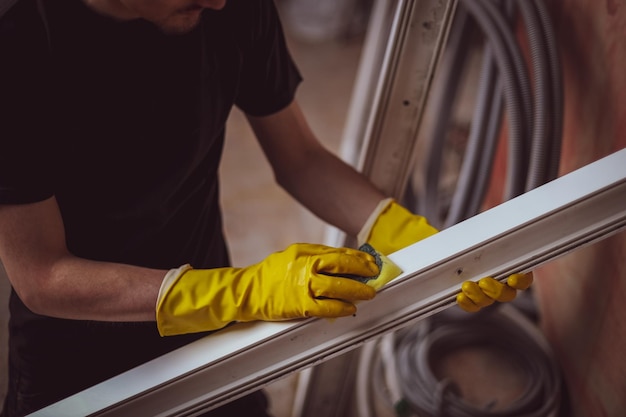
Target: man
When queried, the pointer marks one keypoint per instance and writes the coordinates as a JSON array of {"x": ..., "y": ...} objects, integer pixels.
[{"x": 113, "y": 117}]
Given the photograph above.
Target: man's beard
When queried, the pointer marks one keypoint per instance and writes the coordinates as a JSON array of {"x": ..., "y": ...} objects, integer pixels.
[{"x": 181, "y": 22}]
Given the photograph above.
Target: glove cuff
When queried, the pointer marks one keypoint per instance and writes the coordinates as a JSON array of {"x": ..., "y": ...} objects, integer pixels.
[
  {"x": 366, "y": 230},
  {"x": 169, "y": 280},
  {"x": 396, "y": 227}
]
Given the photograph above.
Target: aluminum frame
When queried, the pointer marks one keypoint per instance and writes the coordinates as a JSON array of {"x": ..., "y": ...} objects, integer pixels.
[
  {"x": 577, "y": 209},
  {"x": 415, "y": 46}
]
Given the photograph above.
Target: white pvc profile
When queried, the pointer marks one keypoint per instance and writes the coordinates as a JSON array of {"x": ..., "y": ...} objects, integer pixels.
[
  {"x": 404, "y": 44},
  {"x": 577, "y": 209},
  {"x": 415, "y": 45}
]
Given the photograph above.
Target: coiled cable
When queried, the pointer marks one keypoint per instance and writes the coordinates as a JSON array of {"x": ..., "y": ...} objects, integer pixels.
[
  {"x": 397, "y": 372},
  {"x": 534, "y": 114}
]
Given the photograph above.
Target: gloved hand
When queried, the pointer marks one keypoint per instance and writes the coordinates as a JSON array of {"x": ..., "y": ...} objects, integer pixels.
[
  {"x": 286, "y": 285},
  {"x": 392, "y": 227}
]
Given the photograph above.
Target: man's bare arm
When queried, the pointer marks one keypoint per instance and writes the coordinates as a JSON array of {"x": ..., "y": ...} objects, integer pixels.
[
  {"x": 53, "y": 282},
  {"x": 322, "y": 182}
]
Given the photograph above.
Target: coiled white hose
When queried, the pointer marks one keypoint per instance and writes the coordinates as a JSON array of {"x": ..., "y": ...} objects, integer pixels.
[{"x": 397, "y": 373}]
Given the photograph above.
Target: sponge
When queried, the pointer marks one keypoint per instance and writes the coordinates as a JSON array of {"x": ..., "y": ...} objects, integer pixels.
[{"x": 388, "y": 270}]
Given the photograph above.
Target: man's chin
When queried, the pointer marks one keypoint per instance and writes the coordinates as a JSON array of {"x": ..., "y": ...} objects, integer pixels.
[{"x": 181, "y": 23}]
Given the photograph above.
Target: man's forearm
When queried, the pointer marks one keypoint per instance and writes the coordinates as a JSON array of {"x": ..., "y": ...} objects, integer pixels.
[
  {"x": 323, "y": 183},
  {"x": 75, "y": 288},
  {"x": 53, "y": 282},
  {"x": 334, "y": 191}
]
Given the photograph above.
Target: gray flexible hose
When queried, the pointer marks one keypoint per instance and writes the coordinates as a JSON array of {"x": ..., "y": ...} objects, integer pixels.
[
  {"x": 542, "y": 142},
  {"x": 488, "y": 155},
  {"x": 424, "y": 394},
  {"x": 475, "y": 171},
  {"x": 516, "y": 88},
  {"x": 486, "y": 122},
  {"x": 556, "y": 84},
  {"x": 518, "y": 111},
  {"x": 475, "y": 144},
  {"x": 418, "y": 348},
  {"x": 540, "y": 145}
]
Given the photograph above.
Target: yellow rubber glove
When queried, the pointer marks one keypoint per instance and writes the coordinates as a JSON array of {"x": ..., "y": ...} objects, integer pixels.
[
  {"x": 392, "y": 227},
  {"x": 286, "y": 285},
  {"x": 476, "y": 295}
]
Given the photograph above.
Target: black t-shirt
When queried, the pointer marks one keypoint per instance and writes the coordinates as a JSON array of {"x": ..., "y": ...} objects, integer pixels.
[{"x": 124, "y": 125}]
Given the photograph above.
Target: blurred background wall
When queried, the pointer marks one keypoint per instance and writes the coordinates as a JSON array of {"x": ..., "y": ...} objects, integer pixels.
[{"x": 581, "y": 296}]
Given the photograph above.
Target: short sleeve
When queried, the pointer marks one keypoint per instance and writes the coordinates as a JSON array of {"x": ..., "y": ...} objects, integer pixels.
[
  {"x": 269, "y": 77},
  {"x": 24, "y": 118}
]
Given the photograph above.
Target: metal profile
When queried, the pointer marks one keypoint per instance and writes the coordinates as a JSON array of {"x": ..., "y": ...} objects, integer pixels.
[
  {"x": 416, "y": 43},
  {"x": 577, "y": 209}
]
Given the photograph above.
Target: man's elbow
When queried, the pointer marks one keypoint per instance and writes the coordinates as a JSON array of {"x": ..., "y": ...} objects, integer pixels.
[{"x": 39, "y": 296}]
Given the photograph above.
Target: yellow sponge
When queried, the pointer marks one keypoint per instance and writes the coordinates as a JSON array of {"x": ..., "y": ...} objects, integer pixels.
[{"x": 388, "y": 270}]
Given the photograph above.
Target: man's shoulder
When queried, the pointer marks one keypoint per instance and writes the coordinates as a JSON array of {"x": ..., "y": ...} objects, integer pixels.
[{"x": 244, "y": 21}]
